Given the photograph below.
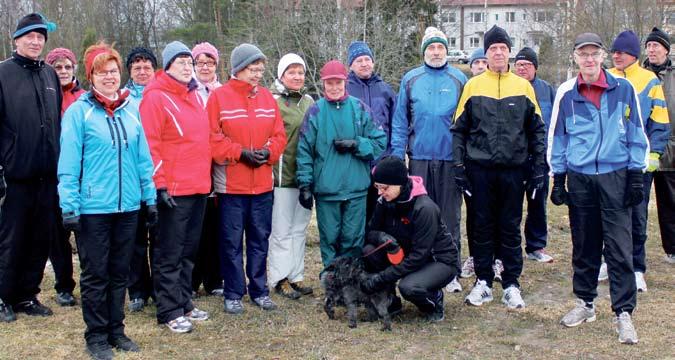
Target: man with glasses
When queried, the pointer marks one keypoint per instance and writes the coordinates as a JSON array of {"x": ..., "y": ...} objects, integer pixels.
[{"x": 597, "y": 142}]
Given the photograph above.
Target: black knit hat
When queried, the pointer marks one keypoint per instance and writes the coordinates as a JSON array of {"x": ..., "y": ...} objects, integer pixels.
[
  {"x": 496, "y": 35},
  {"x": 33, "y": 22},
  {"x": 391, "y": 171},
  {"x": 528, "y": 54},
  {"x": 659, "y": 36},
  {"x": 140, "y": 53}
]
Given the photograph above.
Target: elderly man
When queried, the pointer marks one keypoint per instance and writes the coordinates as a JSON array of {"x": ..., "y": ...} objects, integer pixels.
[
  {"x": 30, "y": 126},
  {"x": 477, "y": 62},
  {"x": 598, "y": 143}
]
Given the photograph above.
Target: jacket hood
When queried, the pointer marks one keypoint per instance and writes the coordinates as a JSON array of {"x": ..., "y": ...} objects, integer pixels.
[
  {"x": 418, "y": 188},
  {"x": 165, "y": 82},
  {"x": 372, "y": 79},
  {"x": 278, "y": 88}
]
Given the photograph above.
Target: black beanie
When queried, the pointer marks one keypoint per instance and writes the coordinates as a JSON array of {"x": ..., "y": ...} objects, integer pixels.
[
  {"x": 659, "y": 36},
  {"x": 528, "y": 54},
  {"x": 391, "y": 171},
  {"x": 33, "y": 22},
  {"x": 496, "y": 35},
  {"x": 141, "y": 53}
]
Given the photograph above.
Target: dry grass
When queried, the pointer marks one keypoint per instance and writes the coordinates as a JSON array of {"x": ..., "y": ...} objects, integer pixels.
[{"x": 300, "y": 329}]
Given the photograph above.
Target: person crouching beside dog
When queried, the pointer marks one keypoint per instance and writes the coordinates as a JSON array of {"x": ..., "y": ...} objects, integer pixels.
[{"x": 408, "y": 241}]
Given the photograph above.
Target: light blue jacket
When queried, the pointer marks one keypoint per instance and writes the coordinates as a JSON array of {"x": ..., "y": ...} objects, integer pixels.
[{"x": 105, "y": 165}]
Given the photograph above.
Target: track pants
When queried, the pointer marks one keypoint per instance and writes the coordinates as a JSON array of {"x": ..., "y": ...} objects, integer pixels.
[
  {"x": 207, "y": 266},
  {"x": 140, "y": 284},
  {"x": 664, "y": 187},
  {"x": 61, "y": 257},
  {"x": 341, "y": 227},
  {"x": 639, "y": 226}
]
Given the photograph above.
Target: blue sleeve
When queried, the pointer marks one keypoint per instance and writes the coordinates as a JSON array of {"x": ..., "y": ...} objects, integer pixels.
[
  {"x": 636, "y": 138},
  {"x": 400, "y": 122},
  {"x": 70, "y": 160},
  {"x": 374, "y": 140},
  {"x": 304, "y": 174},
  {"x": 557, "y": 139},
  {"x": 146, "y": 169}
]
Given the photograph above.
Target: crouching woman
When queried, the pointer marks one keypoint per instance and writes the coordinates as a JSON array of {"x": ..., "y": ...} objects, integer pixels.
[{"x": 408, "y": 241}]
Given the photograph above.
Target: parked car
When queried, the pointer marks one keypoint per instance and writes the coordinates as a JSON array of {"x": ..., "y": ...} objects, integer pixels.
[{"x": 459, "y": 56}]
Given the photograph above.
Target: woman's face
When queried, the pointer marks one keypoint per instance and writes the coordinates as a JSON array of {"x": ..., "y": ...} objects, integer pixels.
[
  {"x": 107, "y": 79},
  {"x": 65, "y": 70},
  {"x": 181, "y": 68},
  {"x": 388, "y": 192},
  {"x": 334, "y": 88},
  {"x": 206, "y": 68},
  {"x": 252, "y": 74},
  {"x": 294, "y": 77}
]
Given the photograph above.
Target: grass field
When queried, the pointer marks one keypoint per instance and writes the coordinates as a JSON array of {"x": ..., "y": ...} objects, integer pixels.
[{"x": 300, "y": 329}]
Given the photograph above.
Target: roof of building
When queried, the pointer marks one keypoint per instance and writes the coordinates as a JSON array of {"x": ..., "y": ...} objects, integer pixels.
[{"x": 496, "y": 2}]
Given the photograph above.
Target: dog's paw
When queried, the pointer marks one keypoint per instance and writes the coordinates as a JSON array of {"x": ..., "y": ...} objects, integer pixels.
[{"x": 352, "y": 325}]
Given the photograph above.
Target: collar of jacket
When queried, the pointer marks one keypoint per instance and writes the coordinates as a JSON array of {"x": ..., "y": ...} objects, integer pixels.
[
  {"x": 630, "y": 70},
  {"x": 495, "y": 75},
  {"x": 435, "y": 69},
  {"x": 72, "y": 86},
  {"x": 91, "y": 98},
  {"x": 279, "y": 89},
  {"x": 135, "y": 89},
  {"x": 27, "y": 63},
  {"x": 168, "y": 83},
  {"x": 242, "y": 87},
  {"x": 609, "y": 78},
  {"x": 364, "y": 82},
  {"x": 658, "y": 69}
]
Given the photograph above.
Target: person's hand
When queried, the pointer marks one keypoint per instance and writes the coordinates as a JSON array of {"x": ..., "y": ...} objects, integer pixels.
[
  {"x": 372, "y": 283},
  {"x": 535, "y": 184},
  {"x": 164, "y": 199},
  {"x": 3, "y": 186},
  {"x": 305, "y": 198},
  {"x": 461, "y": 180},
  {"x": 248, "y": 157},
  {"x": 152, "y": 216},
  {"x": 559, "y": 193},
  {"x": 71, "y": 222},
  {"x": 653, "y": 164},
  {"x": 261, "y": 156},
  {"x": 345, "y": 146},
  {"x": 635, "y": 192}
]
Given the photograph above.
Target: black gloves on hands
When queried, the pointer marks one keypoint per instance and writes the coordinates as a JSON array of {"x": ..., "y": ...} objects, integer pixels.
[
  {"x": 152, "y": 216},
  {"x": 535, "y": 184},
  {"x": 372, "y": 283},
  {"x": 71, "y": 222},
  {"x": 255, "y": 158},
  {"x": 262, "y": 155},
  {"x": 635, "y": 192},
  {"x": 461, "y": 180},
  {"x": 305, "y": 198},
  {"x": 345, "y": 146},
  {"x": 164, "y": 199},
  {"x": 559, "y": 193}
]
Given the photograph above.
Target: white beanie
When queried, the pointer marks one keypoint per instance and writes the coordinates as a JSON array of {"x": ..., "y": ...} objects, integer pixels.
[
  {"x": 432, "y": 35},
  {"x": 288, "y": 60}
]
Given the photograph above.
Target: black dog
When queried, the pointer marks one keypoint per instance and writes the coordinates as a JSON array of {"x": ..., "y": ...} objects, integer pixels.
[{"x": 342, "y": 282}]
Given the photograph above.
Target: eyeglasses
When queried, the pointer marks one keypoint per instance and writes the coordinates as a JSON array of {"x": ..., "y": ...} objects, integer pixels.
[
  {"x": 524, "y": 64},
  {"x": 106, "y": 73},
  {"x": 594, "y": 55},
  {"x": 256, "y": 70},
  {"x": 184, "y": 63},
  {"x": 141, "y": 69},
  {"x": 381, "y": 187},
  {"x": 63, "y": 67},
  {"x": 210, "y": 64}
]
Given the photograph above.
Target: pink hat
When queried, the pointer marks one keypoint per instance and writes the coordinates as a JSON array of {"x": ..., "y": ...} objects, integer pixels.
[
  {"x": 59, "y": 53},
  {"x": 205, "y": 48}
]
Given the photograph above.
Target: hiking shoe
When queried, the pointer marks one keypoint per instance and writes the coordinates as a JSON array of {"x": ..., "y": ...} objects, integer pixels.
[
  {"x": 234, "y": 306},
  {"x": 438, "y": 314},
  {"x": 640, "y": 282},
  {"x": 6, "y": 312},
  {"x": 180, "y": 325},
  {"x": 454, "y": 286},
  {"x": 217, "y": 292},
  {"x": 540, "y": 256},
  {"x": 467, "y": 268},
  {"x": 197, "y": 315},
  {"x": 479, "y": 295},
  {"x": 100, "y": 350},
  {"x": 284, "y": 288},
  {"x": 498, "y": 268},
  {"x": 512, "y": 298},
  {"x": 33, "y": 308},
  {"x": 300, "y": 287},
  {"x": 625, "y": 329},
  {"x": 580, "y": 314},
  {"x": 670, "y": 258},
  {"x": 265, "y": 303},
  {"x": 65, "y": 299},
  {"x": 602, "y": 275},
  {"x": 123, "y": 343},
  {"x": 136, "y": 305}
]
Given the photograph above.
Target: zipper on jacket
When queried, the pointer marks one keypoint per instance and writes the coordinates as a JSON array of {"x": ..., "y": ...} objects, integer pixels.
[
  {"x": 124, "y": 133},
  {"x": 597, "y": 153},
  {"x": 112, "y": 134},
  {"x": 119, "y": 166}
]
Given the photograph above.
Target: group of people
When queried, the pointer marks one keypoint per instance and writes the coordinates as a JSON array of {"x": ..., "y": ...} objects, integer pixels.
[{"x": 162, "y": 180}]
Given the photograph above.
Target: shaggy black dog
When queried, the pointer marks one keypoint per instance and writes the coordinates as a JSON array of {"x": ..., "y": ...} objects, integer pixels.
[{"x": 342, "y": 282}]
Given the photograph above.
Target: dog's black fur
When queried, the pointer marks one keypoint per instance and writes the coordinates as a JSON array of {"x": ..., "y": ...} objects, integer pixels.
[{"x": 342, "y": 282}]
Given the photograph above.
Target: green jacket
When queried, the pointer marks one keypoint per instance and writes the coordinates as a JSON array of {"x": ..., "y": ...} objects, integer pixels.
[
  {"x": 293, "y": 105},
  {"x": 333, "y": 176}
]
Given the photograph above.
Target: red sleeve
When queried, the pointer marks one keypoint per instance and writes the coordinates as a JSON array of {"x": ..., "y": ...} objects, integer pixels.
[
  {"x": 152, "y": 118},
  {"x": 278, "y": 140},
  {"x": 223, "y": 149}
]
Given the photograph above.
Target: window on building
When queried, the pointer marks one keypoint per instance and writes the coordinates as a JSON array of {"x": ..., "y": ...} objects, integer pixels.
[
  {"x": 537, "y": 41},
  {"x": 514, "y": 41},
  {"x": 474, "y": 41},
  {"x": 452, "y": 42},
  {"x": 496, "y": 17},
  {"x": 524, "y": 16},
  {"x": 477, "y": 17},
  {"x": 543, "y": 16},
  {"x": 452, "y": 17},
  {"x": 511, "y": 16}
]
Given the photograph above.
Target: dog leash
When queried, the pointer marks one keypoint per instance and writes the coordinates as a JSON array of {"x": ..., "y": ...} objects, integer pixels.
[{"x": 377, "y": 248}]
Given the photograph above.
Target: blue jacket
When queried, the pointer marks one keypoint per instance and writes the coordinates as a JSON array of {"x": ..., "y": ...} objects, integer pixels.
[
  {"x": 381, "y": 99},
  {"x": 545, "y": 94},
  {"x": 105, "y": 165},
  {"x": 425, "y": 107},
  {"x": 589, "y": 140},
  {"x": 135, "y": 91}
]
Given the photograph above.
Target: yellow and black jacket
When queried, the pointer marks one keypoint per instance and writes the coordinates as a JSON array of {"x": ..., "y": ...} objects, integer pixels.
[{"x": 498, "y": 122}]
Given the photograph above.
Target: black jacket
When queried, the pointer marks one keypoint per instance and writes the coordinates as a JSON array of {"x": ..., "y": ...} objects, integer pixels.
[{"x": 30, "y": 118}]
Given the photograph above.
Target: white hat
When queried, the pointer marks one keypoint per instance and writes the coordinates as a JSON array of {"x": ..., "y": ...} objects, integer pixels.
[{"x": 288, "y": 60}]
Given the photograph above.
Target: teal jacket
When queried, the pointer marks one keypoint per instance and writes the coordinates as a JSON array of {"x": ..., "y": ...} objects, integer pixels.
[{"x": 333, "y": 176}]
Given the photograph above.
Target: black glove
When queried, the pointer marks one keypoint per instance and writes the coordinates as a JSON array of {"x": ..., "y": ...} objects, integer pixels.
[
  {"x": 559, "y": 193},
  {"x": 305, "y": 198},
  {"x": 3, "y": 185},
  {"x": 248, "y": 157},
  {"x": 261, "y": 156},
  {"x": 163, "y": 198},
  {"x": 635, "y": 191},
  {"x": 71, "y": 222},
  {"x": 345, "y": 146},
  {"x": 372, "y": 283},
  {"x": 152, "y": 216},
  {"x": 535, "y": 184},
  {"x": 461, "y": 180}
]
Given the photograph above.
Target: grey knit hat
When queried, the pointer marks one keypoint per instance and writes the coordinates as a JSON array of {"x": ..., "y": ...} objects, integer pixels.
[
  {"x": 243, "y": 55},
  {"x": 172, "y": 51}
]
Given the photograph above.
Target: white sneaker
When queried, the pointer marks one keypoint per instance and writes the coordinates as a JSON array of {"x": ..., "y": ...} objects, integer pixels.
[
  {"x": 625, "y": 329},
  {"x": 540, "y": 256},
  {"x": 670, "y": 258},
  {"x": 454, "y": 286},
  {"x": 467, "y": 268},
  {"x": 512, "y": 298},
  {"x": 602, "y": 275},
  {"x": 479, "y": 295},
  {"x": 197, "y": 315},
  {"x": 580, "y": 314},
  {"x": 498, "y": 268},
  {"x": 640, "y": 283}
]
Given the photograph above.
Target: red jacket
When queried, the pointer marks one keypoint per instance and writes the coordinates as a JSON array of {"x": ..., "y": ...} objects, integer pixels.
[
  {"x": 244, "y": 117},
  {"x": 71, "y": 93},
  {"x": 177, "y": 129}
]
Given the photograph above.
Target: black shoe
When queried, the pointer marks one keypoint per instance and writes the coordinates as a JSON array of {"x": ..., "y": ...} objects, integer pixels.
[
  {"x": 6, "y": 313},
  {"x": 33, "y": 308},
  {"x": 123, "y": 343},
  {"x": 438, "y": 313},
  {"x": 300, "y": 287},
  {"x": 65, "y": 299},
  {"x": 396, "y": 306},
  {"x": 100, "y": 350},
  {"x": 136, "y": 305}
]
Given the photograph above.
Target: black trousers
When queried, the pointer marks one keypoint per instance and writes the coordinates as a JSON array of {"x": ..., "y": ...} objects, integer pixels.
[
  {"x": 140, "y": 278},
  {"x": 61, "y": 257},
  {"x": 175, "y": 253},
  {"x": 207, "y": 266},
  {"x": 496, "y": 213},
  {"x": 104, "y": 246},
  {"x": 419, "y": 287},
  {"x": 27, "y": 226},
  {"x": 664, "y": 187},
  {"x": 598, "y": 217}
]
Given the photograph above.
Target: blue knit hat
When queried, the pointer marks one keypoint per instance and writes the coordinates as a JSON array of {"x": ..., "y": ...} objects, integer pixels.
[
  {"x": 33, "y": 22},
  {"x": 356, "y": 49},
  {"x": 172, "y": 51},
  {"x": 479, "y": 53},
  {"x": 627, "y": 42}
]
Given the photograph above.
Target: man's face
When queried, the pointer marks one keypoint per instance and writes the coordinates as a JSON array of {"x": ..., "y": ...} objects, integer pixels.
[
  {"x": 478, "y": 66},
  {"x": 141, "y": 72},
  {"x": 334, "y": 88},
  {"x": 656, "y": 53},
  {"x": 362, "y": 66},
  {"x": 525, "y": 69},
  {"x": 622, "y": 60},
  {"x": 65, "y": 70},
  {"x": 30, "y": 45},
  {"x": 498, "y": 57},
  {"x": 589, "y": 59},
  {"x": 435, "y": 55}
]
